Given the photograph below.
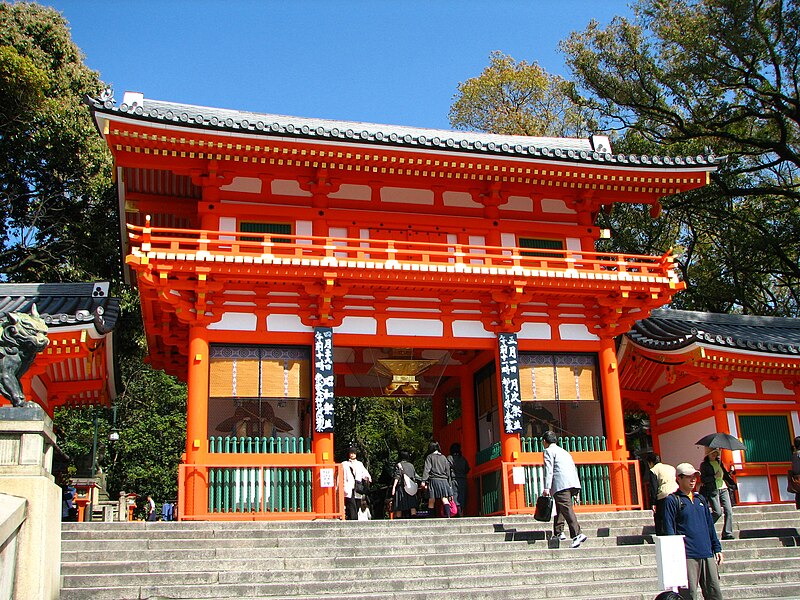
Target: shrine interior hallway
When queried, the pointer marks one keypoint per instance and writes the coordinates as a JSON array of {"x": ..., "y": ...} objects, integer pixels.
[{"x": 477, "y": 558}]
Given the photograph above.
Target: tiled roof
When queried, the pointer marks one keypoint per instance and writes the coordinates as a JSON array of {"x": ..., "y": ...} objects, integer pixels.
[
  {"x": 63, "y": 304},
  {"x": 676, "y": 329},
  {"x": 548, "y": 148}
]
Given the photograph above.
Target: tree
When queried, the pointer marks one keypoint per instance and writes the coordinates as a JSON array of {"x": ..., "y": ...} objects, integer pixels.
[
  {"x": 688, "y": 75},
  {"x": 56, "y": 192},
  {"x": 59, "y": 206},
  {"x": 518, "y": 98},
  {"x": 381, "y": 426},
  {"x": 150, "y": 419}
]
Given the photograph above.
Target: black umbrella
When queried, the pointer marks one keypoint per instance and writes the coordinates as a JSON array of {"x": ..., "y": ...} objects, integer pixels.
[{"x": 721, "y": 440}]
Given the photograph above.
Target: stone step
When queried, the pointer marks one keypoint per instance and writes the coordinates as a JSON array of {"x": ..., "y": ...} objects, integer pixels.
[
  {"x": 417, "y": 553},
  {"x": 640, "y": 524},
  {"x": 560, "y": 584},
  {"x": 267, "y": 571},
  {"x": 328, "y": 545},
  {"x": 473, "y": 558}
]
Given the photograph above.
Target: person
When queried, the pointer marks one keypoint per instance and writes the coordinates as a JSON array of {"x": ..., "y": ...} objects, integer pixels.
[
  {"x": 436, "y": 476},
  {"x": 459, "y": 467},
  {"x": 68, "y": 510},
  {"x": 663, "y": 482},
  {"x": 668, "y": 595},
  {"x": 687, "y": 513},
  {"x": 561, "y": 481},
  {"x": 354, "y": 470},
  {"x": 403, "y": 502},
  {"x": 364, "y": 513},
  {"x": 796, "y": 468},
  {"x": 151, "y": 509},
  {"x": 715, "y": 480}
]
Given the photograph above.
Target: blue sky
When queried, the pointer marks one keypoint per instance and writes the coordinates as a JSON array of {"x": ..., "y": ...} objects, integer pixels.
[{"x": 394, "y": 62}]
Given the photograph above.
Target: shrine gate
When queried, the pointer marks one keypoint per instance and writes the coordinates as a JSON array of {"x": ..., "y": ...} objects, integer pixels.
[{"x": 282, "y": 261}]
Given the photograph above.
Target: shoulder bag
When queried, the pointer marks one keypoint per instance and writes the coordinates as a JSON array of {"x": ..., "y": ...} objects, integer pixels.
[{"x": 409, "y": 485}]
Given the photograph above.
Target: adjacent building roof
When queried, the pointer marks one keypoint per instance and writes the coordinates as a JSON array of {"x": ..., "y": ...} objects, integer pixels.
[
  {"x": 671, "y": 330},
  {"x": 63, "y": 305},
  {"x": 594, "y": 150}
]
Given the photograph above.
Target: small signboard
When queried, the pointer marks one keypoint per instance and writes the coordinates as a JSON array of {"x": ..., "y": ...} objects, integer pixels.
[
  {"x": 518, "y": 475},
  {"x": 326, "y": 477},
  {"x": 671, "y": 562}
]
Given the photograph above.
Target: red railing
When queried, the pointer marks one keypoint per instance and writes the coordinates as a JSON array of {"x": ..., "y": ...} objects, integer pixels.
[
  {"x": 762, "y": 483},
  {"x": 606, "y": 484},
  {"x": 259, "y": 487},
  {"x": 268, "y": 248}
]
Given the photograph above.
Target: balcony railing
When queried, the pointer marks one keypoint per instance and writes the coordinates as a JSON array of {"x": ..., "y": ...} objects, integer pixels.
[
  {"x": 597, "y": 491},
  {"x": 331, "y": 252}
]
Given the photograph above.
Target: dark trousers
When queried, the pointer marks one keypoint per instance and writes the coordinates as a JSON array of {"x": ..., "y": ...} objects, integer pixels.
[
  {"x": 658, "y": 517},
  {"x": 351, "y": 508},
  {"x": 565, "y": 512}
]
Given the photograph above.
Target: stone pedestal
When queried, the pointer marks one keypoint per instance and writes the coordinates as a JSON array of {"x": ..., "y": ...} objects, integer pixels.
[{"x": 26, "y": 460}]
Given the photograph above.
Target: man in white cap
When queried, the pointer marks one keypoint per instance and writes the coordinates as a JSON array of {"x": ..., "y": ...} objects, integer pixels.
[{"x": 686, "y": 513}]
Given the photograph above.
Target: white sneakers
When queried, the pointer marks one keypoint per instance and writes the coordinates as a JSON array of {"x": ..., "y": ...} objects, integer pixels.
[{"x": 577, "y": 540}]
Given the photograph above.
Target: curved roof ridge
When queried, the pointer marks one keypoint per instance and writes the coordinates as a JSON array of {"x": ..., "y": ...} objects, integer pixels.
[
  {"x": 776, "y": 335},
  {"x": 724, "y": 318},
  {"x": 579, "y": 150},
  {"x": 63, "y": 304}
]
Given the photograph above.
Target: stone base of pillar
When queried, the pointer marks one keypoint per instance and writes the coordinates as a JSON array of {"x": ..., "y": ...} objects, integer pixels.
[{"x": 26, "y": 458}]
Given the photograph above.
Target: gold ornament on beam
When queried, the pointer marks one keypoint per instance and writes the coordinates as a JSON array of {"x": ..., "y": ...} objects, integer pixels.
[{"x": 403, "y": 372}]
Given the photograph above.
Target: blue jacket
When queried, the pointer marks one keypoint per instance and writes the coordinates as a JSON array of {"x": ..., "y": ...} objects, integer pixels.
[{"x": 691, "y": 518}]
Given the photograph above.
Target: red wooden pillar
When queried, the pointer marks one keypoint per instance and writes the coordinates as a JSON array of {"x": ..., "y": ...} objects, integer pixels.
[
  {"x": 324, "y": 498},
  {"x": 322, "y": 395},
  {"x": 716, "y": 385},
  {"x": 196, "y": 484},
  {"x": 615, "y": 424}
]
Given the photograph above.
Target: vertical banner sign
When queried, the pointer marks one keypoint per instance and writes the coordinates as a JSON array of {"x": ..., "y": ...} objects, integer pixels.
[
  {"x": 323, "y": 380},
  {"x": 509, "y": 381}
]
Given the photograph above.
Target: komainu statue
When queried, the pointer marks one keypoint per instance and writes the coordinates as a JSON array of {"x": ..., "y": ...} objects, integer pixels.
[{"x": 22, "y": 337}]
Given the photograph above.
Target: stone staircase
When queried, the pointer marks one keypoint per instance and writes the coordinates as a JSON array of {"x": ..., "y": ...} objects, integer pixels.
[{"x": 504, "y": 558}]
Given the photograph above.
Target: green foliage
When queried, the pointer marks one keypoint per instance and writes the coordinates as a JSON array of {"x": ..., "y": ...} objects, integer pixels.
[
  {"x": 687, "y": 75},
  {"x": 56, "y": 194},
  {"x": 518, "y": 98},
  {"x": 380, "y": 427},
  {"x": 59, "y": 207},
  {"x": 150, "y": 419},
  {"x": 24, "y": 84}
]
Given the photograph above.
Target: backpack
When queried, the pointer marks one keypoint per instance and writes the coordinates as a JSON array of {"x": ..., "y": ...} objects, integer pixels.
[{"x": 409, "y": 485}]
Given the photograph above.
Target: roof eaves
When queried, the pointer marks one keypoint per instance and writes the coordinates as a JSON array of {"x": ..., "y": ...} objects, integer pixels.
[
  {"x": 561, "y": 149},
  {"x": 667, "y": 328}
]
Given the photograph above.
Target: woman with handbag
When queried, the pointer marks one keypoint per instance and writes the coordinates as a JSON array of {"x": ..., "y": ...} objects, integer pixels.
[
  {"x": 794, "y": 475},
  {"x": 404, "y": 487},
  {"x": 356, "y": 480},
  {"x": 437, "y": 476}
]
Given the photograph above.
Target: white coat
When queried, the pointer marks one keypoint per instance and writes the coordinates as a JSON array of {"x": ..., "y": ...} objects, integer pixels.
[
  {"x": 559, "y": 470},
  {"x": 354, "y": 470}
]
